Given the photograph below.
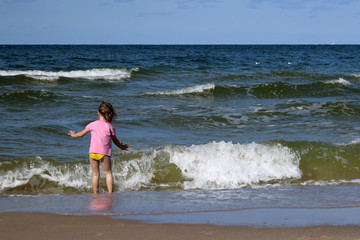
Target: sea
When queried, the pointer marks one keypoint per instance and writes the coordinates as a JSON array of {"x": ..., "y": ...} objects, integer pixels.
[{"x": 214, "y": 131}]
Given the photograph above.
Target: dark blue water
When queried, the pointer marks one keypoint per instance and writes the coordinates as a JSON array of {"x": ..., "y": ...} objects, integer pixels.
[{"x": 196, "y": 117}]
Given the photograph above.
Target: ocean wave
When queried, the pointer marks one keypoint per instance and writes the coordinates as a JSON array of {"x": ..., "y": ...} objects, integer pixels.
[
  {"x": 189, "y": 90},
  {"x": 279, "y": 89},
  {"x": 28, "y": 95},
  {"x": 38, "y": 175},
  {"x": 285, "y": 89},
  {"x": 207, "y": 166},
  {"x": 215, "y": 165},
  {"x": 228, "y": 165},
  {"x": 339, "y": 81},
  {"x": 90, "y": 74},
  {"x": 353, "y": 142},
  {"x": 337, "y": 108}
]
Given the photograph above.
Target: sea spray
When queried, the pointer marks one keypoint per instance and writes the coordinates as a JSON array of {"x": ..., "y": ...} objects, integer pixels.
[
  {"x": 208, "y": 166},
  {"x": 215, "y": 165},
  {"x": 135, "y": 173},
  {"x": 38, "y": 175},
  {"x": 228, "y": 165}
]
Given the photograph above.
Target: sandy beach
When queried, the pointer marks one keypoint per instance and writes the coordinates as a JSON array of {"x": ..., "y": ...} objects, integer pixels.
[{"x": 53, "y": 226}]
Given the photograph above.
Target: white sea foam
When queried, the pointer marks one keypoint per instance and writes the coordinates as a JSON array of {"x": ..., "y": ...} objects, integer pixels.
[
  {"x": 339, "y": 81},
  {"x": 352, "y": 142},
  {"x": 90, "y": 74},
  {"x": 128, "y": 175},
  {"x": 330, "y": 182},
  {"x": 193, "y": 89},
  {"x": 135, "y": 173},
  {"x": 76, "y": 176},
  {"x": 208, "y": 166},
  {"x": 228, "y": 165},
  {"x": 356, "y": 141}
]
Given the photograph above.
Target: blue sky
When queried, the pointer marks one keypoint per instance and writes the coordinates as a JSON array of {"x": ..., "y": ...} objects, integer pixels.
[{"x": 179, "y": 21}]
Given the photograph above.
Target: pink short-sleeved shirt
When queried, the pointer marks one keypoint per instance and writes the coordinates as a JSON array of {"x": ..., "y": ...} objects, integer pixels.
[{"x": 101, "y": 140}]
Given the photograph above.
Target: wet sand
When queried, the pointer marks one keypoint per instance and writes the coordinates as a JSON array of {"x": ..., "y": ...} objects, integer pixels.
[{"x": 53, "y": 226}]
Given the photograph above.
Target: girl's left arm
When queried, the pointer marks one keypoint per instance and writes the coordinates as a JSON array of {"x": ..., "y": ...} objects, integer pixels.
[
  {"x": 79, "y": 134},
  {"x": 119, "y": 144}
]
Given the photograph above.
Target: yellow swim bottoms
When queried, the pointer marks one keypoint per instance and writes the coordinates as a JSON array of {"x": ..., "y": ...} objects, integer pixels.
[{"x": 96, "y": 156}]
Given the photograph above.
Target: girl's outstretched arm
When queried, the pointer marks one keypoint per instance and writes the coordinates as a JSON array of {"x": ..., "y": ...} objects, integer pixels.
[
  {"x": 119, "y": 144},
  {"x": 79, "y": 134}
]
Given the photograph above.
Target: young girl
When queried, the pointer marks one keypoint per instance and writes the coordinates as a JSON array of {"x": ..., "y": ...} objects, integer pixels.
[{"x": 102, "y": 133}]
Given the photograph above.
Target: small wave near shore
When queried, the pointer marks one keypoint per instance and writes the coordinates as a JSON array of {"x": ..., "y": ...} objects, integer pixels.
[{"x": 215, "y": 165}]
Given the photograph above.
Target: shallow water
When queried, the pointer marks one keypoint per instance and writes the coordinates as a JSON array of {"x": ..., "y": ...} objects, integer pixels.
[{"x": 263, "y": 207}]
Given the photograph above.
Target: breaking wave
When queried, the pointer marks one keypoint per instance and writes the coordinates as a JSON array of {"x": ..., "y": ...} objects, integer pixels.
[
  {"x": 339, "y": 81},
  {"x": 90, "y": 74},
  {"x": 267, "y": 90},
  {"x": 215, "y": 165},
  {"x": 189, "y": 90}
]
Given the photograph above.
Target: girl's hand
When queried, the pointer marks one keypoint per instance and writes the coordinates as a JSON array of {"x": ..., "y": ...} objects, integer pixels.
[
  {"x": 71, "y": 133},
  {"x": 124, "y": 147},
  {"x": 119, "y": 144},
  {"x": 79, "y": 134}
]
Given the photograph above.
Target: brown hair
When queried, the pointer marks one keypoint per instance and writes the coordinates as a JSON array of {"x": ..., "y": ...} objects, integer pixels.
[{"x": 107, "y": 111}]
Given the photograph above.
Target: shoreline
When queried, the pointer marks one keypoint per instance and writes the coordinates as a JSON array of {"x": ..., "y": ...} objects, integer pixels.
[
  {"x": 259, "y": 208},
  {"x": 15, "y": 225}
]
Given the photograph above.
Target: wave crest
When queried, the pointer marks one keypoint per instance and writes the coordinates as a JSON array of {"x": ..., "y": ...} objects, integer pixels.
[
  {"x": 340, "y": 81},
  {"x": 228, "y": 165},
  {"x": 215, "y": 165},
  {"x": 208, "y": 166},
  {"x": 90, "y": 74},
  {"x": 189, "y": 90}
]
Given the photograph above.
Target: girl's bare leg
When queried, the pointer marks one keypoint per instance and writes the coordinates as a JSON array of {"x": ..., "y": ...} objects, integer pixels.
[
  {"x": 106, "y": 163},
  {"x": 95, "y": 174}
]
